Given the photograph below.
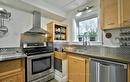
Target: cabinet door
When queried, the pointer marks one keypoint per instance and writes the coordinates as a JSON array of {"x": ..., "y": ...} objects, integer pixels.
[
  {"x": 76, "y": 69},
  {"x": 13, "y": 78},
  {"x": 20, "y": 77},
  {"x": 110, "y": 14},
  {"x": 125, "y": 7}
]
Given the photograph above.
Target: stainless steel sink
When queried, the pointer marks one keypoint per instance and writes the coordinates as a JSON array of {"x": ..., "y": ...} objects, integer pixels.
[{"x": 81, "y": 50}]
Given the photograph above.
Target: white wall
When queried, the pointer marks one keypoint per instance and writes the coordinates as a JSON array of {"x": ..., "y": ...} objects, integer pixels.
[
  {"x": 20, "y": 22},
  {"x": 48, "y": 7}
]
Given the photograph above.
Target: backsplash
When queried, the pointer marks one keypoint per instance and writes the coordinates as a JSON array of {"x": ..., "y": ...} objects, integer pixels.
[
  {"x": 58, "y": 46},
  {"x": 125, "y": 38},
  {"x": 10, "y": 50},
  {"x": 33, "y": 38},
  {"x": 115, "y": 40}
]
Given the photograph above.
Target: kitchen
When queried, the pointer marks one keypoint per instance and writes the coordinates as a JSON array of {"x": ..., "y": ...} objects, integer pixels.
[{"x": 64, "y": 41}]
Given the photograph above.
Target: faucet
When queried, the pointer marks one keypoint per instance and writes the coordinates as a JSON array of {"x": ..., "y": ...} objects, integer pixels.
[{"x": 85, "y": 42}]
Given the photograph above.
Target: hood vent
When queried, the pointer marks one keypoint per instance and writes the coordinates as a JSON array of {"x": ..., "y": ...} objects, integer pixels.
[{"x": 36, "y": 29}]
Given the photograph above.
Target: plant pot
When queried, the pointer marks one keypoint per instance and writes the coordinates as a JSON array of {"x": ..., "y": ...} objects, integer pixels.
[
  {"x": 92, "y": 38},
  {"x": 80, "y": 37}
]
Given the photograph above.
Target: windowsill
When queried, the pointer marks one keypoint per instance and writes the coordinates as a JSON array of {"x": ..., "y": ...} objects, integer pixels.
[{"x": 96, "y": 43}]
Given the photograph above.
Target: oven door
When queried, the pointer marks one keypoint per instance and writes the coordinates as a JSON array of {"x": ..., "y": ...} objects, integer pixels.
[{"x": 39, "y": 66}]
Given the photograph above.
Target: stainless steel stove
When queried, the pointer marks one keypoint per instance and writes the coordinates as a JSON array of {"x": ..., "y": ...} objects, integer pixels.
[{"x": 40, "y": 61}]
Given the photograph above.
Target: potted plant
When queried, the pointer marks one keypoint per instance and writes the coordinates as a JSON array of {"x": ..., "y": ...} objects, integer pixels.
[
  {"x": 80, "y": 37},
  {"x": 92, "y": 35}
]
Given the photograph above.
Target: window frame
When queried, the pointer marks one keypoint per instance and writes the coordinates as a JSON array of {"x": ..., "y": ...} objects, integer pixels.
[{"x": 99, "y": 37}]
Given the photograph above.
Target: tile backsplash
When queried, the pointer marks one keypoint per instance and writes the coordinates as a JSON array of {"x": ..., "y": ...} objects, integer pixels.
[{"x": 115, "y": 40}]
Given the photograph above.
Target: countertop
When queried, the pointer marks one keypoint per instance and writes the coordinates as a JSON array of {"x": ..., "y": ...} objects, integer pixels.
[
  {"x": 11, "y": 53},
  {"x": 112, "y": 54},
  {"x": 4, "y": 57}
]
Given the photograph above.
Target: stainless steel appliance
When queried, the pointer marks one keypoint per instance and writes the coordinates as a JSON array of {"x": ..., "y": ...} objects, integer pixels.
[
  {"x": 36, "y": 29},
  {"x": 40, "y": 61},
  {"x": 107, "y": 71}
]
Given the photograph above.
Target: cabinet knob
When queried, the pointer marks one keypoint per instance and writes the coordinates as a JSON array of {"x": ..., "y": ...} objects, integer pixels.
[{"x": 111, "y": 23}]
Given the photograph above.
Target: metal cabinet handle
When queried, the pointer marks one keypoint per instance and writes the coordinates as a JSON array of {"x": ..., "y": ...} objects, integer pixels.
[{"x": 97, "y": 72}]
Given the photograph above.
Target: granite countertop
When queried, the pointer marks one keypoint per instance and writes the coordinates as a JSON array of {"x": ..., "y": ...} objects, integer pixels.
[
  {"x": 4, "y": 57},
  {"x": 112, "y": 54},
  {"x": 11, "y": 53}
]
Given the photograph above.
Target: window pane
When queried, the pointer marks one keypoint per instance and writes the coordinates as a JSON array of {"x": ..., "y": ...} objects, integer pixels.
[{"x": 90, "y": 27}]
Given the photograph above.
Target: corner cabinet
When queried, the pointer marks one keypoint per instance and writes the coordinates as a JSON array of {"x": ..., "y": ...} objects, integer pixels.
[
  {"x": 58, "y": 32},
  {"x": 12, "y": 71},
  {"x": 78, "y": 69},
  {"x": 114, "y": 14}
]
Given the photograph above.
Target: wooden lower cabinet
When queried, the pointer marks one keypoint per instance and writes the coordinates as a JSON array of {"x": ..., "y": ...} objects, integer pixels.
[
  {"x": 128, "y": 72},
  {"x": 12, "y": 71},
  {"x": 12, "y": 78},
  {"x": 77, "y": 69}
]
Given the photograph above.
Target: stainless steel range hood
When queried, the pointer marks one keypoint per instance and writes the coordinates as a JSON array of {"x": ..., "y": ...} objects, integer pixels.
[{"x": 36, "y": 29}]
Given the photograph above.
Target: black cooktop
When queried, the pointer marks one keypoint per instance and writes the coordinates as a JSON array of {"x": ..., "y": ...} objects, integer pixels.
[{"x": 36, "y": 50}]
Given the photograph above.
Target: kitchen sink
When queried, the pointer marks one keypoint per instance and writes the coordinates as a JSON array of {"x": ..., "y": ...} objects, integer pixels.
[{"x": 81, "y": 50}]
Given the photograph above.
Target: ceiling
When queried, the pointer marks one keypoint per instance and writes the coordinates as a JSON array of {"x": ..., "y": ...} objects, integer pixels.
[
  {"x": 67, "y": 5},
  {"x": 53, "y": 9},
  {"x": 21, "y": 5}
]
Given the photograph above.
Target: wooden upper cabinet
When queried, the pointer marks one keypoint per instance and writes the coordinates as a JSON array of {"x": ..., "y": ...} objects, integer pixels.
[
  {"x": 58, "y": 31},
  {"x": 125, "y": 15},
  {"x": 110, "y": 14}
]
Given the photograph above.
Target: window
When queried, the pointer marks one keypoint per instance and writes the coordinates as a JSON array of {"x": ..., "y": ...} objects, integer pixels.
[{"x": 88, "y": 29}]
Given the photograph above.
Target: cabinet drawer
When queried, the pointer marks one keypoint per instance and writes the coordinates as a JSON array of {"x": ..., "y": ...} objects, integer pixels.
[
  {"x": 10, "y": 79},
  {"x": 14, "y": 77},
  {"x": 76, "y": 58},
  {"x": 7, "y": 66}
]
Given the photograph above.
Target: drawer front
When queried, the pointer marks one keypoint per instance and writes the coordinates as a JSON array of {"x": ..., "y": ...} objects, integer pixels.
[
  {"x": 10, "y": 79},
  {"x": 6, "y": 66}
]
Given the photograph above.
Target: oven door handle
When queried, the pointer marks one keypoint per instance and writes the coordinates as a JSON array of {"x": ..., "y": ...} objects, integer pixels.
[{"x": 40, "y": 55}]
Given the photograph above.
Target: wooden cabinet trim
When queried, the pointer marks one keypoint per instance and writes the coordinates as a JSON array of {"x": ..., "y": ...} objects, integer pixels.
[
  {"x": 128, "y": 72},
  {"x": 78, "y": 58},
  {"x": 10, "y": 72}
]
